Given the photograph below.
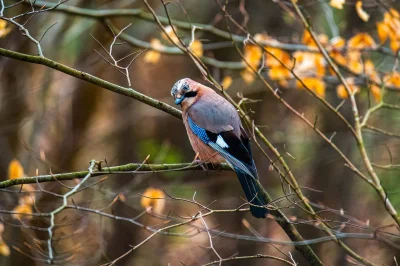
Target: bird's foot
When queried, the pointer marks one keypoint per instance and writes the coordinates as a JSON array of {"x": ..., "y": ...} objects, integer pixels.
[{"x": 200, "y": 162}]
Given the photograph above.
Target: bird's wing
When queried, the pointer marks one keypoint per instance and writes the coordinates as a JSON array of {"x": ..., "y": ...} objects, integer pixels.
[
  {"x": 228, "y": 145},
  {"x": 215, "y": 114}
]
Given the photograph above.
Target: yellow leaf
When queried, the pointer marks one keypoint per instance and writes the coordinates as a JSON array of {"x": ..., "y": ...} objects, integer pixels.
[
  {"x": 323, "y": 39},
  {"x": 153, "y": 56},
  {"x": 197, "y": 48},
  {"x": 4, "y": 249},
  {"x": 15, "y": 169},
  {"x": 392, "y": 79},
  {"x": 248, "y": 76},
  {"x": 390, "y": 28},
  {"x": 253, "y": 55},
  {"x": 4, "y": 28},
  {"x": 391, "y": 19},
  {"x": 338, "y": 57},
  {"x": 355, "y": 67},
  {"x": 156, "y": 44},
  {"x": 395, "y": 45},
  {"x": 361, "y": 12},
  {"x": 342, "y": 92},
  {"x": 21, "y": 210},
  {"x": 337, "y": 3},
  {"x": 383, "y": 31},
  {"x": 376, "y": 92},
  {"x": 279, "y": 73},
  {"x": 308, "y": 64},
  {"x": 307, "y": 39},
  {"x": 275, "y": 57},
  {"x": 361, "y": 40},
  {"x": 171, "y": 34},
  {"x": 370, "y": 71},
  {"x": 353, "y": 55},
  {"x": 338, "y": 42},
  {"x": 394, "y": 13},
  {"x": 369, "y": 67},
  {"x": 314, "y": 84},
  {"x": 153, "y": 198},
  {"x": 319, "y": 64},
  {"x": 226, "y": 82}
]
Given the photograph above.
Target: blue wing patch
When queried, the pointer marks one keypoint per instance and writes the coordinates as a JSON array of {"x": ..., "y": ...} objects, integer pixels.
[{"x": 198, "y": 131}]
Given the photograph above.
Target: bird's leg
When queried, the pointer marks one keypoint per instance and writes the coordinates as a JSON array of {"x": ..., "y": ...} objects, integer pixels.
[{"x": 200, "y": 162}]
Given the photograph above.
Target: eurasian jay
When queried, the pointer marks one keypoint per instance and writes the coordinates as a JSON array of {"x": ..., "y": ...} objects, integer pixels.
[{"x": 216, "y": 134}]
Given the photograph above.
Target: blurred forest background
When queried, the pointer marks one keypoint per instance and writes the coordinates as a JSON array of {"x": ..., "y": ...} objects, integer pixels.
[{"x": 51, "y": 121}]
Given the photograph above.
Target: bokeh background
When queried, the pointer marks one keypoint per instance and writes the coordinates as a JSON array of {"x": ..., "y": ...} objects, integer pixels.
[{"x": 52, "y": 121}]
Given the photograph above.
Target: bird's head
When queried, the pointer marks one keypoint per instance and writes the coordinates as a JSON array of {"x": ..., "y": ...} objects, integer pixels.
[{"x": 185, "y": 92}]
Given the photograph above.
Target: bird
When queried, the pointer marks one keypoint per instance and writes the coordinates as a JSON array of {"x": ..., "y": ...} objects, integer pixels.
[{"x": 216, "y": 134}]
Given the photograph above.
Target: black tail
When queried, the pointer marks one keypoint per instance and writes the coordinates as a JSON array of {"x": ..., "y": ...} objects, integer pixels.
[{"x": 252, "y": 194}]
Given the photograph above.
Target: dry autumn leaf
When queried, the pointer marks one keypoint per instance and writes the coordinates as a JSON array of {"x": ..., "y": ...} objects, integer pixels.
[
  {"x": 389, "y": 28},
  {"x": 314, "y": 84},
  {"x": 22, "y": 210},
  {"x": 392, "y": 79},
  {"x": 376, "y": 92},
  {"x": 4, "y": 28},
  {"x": 4, "y": 249},
  {"x": 383, "y": 31},
  {"x": 308, "y": 64},
  {"x": 279, "y": 73},
  {"x": 361, "y": 40},
  {"x": 337, "y": 42},
  {"x": 252, "y": 55},
  {"x": 342, "y": 92},
  {"x": 197, "y": 48},
  {"x": 153, "y": 198},
  {"x": 355, "y": 66},
  {"x": 171, "y": 34},
  {"x": 370, "y": 71},
  {"x": 248, "y": 76},
  {"x": 226, "y": 82},
  {"x": 308, "y": 39},
  {"x": 337, "y": 4},
  {"x": 153, "y": 56},
  {"x": 361, "y": 12},
  {"x": 15, "y": 169},
  {"x": 395, "y": 45},
  {"x": 275, "y": 57}
]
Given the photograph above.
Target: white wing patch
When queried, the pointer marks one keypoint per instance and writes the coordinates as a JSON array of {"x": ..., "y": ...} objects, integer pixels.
[{"x": 221, "y": 142}]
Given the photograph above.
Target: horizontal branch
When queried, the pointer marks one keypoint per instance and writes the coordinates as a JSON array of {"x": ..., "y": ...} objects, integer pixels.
[
  {"x": 134, "y": 168},
  {"x": 93, "y": 80}
]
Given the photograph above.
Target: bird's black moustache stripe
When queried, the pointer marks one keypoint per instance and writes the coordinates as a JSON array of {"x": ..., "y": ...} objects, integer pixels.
[{"x": 190, "y": 94}]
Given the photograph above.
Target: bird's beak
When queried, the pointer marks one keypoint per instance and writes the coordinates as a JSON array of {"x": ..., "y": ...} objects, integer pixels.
[{"x": 179, "y": 100}]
